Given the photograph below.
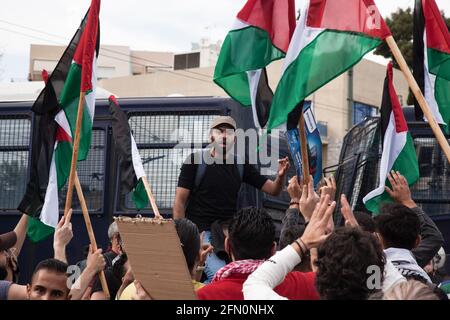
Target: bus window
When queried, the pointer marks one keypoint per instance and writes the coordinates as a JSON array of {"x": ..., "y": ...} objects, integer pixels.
[
  {"x": 14, "y": 156},
  {"x": 432, "y": 186},
  {"x": 164, "y": 142},
  {"x": 91, "y": 173}
]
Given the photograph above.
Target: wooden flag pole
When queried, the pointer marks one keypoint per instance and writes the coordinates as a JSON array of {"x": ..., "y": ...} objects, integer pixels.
[
  {"x": 90, "y": 231},
  {"x": 419, "y": 96},
  {"x": 304, "y": 148},
  {"x": 151, "y": 198},
  {"x": 76, "y": 145}
]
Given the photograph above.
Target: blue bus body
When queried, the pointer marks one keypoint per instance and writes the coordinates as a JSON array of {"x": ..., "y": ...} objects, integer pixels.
[{"x": 155, "y": 123}]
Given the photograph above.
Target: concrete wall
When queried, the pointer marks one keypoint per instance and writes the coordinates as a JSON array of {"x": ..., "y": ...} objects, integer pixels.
[
  {"x": 148, "y": 61},
  {"x": 113, "y": 61}
]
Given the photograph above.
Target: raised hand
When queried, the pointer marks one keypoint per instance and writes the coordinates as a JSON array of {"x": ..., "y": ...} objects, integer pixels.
[
  {"x": 294, "y": 189},
  {"x": 318, "y": 228},
  {"x": 347, "y": 213},
  {"x": 63, "y": 232},
  {"x": 283, "y": 166},
  {"x": 400, "y": 191},
  {"x": 329, "y": 187},
  {"x": 308, "y": 200},
  {"x": 95, "y": 260}
]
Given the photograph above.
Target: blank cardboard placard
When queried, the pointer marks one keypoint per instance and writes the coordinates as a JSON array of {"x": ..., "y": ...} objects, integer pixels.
[{"x": 156, "y": 257}]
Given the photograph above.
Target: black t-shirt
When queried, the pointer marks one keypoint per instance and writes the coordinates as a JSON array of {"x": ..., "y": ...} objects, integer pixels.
[
  {"x": 112, "y": 280},
  {"x": 216, "y": 196}
]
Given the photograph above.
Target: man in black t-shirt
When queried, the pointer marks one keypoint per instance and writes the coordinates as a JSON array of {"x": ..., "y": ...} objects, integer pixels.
[{"x": 213, "y": 195}]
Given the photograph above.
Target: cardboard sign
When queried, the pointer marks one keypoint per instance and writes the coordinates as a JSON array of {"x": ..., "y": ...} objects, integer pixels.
[{"x": 156, "y": 257}]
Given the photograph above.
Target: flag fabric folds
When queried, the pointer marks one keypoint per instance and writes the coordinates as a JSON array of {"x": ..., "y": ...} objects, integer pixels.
[
  {"x": 330, "y": 38},
  {"x": 130, "y": 163},
  {"x": 398, "y": 153},
  {"x": 54, "y": 113},
  {"x": 260, "y": 35},
  {"x": 431, "y": 60}
]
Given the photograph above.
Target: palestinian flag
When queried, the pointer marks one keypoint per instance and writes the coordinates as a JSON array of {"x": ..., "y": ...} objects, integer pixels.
[
  {"x": 260, "y": 35},
  {"x": 52, "y": 132},
  {"x": 330, "y": 38},
  {"x": 431, "y": 57},
  {"x": 131, "y": 169},
  {"x": 399, "y": 153}
]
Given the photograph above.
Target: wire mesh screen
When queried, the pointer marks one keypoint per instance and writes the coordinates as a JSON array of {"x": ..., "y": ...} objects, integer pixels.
[
  {"x": 91, "y": 173},
  {"x": 432, "y": 190},
  {"x": 14, "y": 153},
  {"x": 358, "y": 171},
  {"x": 360, "y": 151},
  {"x": 164, "y": 142}
]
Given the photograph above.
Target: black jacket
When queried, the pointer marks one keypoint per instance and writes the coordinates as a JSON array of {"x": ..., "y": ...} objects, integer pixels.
[{"x": 432, "y": 239}]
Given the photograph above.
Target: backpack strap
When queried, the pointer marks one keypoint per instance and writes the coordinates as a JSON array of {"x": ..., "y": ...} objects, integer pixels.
[
  {"x": 201, "y": 169},
  {"x": 240, "y": 167}
]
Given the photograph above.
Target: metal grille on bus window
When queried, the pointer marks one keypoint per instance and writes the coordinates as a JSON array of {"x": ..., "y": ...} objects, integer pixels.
[
  {"x": 14, "y": 132},
  {"x": 196, "y": 128},
  {"x": 92, "y": 175},
  {"x": 162, "y": 164},
  {"x": 163, "y": 168},
  {"x": 434, "y": 182},
  {"x": 14, "y": 153},
  {"x": 154, "y": 129},
  {"x": 358, "y": 162},
  {"x": 170, "y": 128}
]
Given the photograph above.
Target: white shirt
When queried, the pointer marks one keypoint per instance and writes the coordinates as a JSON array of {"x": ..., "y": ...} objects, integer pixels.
[{"x": 260, "y": 284}]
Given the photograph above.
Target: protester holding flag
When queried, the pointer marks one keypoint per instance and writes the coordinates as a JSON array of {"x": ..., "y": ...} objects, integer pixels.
[{"x": 55, "y": 113}]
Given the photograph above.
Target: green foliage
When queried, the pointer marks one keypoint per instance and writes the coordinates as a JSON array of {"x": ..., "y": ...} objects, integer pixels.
[{"x": 401, "y": 25}]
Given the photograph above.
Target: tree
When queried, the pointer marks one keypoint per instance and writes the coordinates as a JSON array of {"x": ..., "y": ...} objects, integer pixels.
[{"x": 401, "y": 25}]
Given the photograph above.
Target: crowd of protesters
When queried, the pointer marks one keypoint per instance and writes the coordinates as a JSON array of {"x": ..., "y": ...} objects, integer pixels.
[{"x": 236, "y": 254}]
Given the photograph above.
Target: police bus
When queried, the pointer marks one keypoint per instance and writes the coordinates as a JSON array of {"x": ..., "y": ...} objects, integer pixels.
[{"x": 166, "y": 131}]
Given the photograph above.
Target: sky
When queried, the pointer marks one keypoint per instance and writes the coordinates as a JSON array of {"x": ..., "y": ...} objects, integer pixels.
[{"x": 158, "y": 25}]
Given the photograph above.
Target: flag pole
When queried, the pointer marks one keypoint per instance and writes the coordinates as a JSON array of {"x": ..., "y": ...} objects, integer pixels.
[
  {"x": 151, "y": 198},
  {"x": 90, "y": 231},
  {"x": 76, "y": 145},
  {"x": 419, "y": 96},
  {"x": 304, "y": 149}
]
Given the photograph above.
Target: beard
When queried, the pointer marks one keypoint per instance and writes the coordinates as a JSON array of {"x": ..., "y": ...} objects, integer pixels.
[{"x": 223, "y": 147}]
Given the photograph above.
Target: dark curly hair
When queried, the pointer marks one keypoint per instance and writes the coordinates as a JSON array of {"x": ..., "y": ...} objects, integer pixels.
[
  {"x": 343, "y": 261},
  {"x": 251, "y": 234},
  {"x": 190, "y": 240},
  {"x": 399, "y": 226}
]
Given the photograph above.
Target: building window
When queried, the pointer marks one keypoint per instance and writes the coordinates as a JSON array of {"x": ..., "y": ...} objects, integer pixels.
[
  {"x": 186, "y": 61},
  {"x": 361, "y": 111}
]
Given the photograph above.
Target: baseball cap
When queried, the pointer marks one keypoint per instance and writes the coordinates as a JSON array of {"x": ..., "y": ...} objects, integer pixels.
[
  {"x": 7, "y": 240},
  {"x": 223, "y": 120}
]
